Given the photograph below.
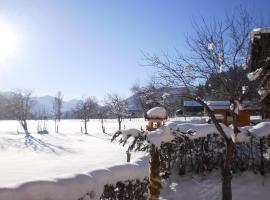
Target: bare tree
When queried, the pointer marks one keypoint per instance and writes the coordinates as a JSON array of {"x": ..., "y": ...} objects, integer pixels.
[
  {"x": 153, "y": 95},
  {"x": 42, "y": 117},
  {"x": 57, "y": 108},
  {"x": 117, "y": 107},
  {"x": 102, "y": 114},
  {"x": 4, "y": 111},
  {"x": 148, "y": 96},
  {"x": 87, "y": 109},
  {"x": 213, "y": 49},
  {"x": 19, "y": 106}
]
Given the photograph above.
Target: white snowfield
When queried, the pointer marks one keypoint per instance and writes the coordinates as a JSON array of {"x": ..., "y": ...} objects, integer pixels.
[
  {"x": 246, "y": 186},
  {"x": 79, "y": 185},
  {"x": 64, "y": 165},
  {"x": 69, "y": 164}
]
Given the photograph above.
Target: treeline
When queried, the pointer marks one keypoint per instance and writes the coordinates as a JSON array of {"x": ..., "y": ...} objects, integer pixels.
[{"x": 18, "y": 105}]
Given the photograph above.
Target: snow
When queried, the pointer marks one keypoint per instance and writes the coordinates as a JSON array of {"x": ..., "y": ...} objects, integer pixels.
[
  {"x": 69, "y": 164},
  {"x": 192, "y": 104},
  {"x": 198, "y": 129},
  {"x": 248, "y": 186},
  {"x": 187, "y": 69},
  {"x": 254, "y": 75},
  {"x": 79, "y": 185},
  {"x": 157, "y": 113},
  {"x": 57, "y": 166},
  {"x": 211, "y": 46},
  {"x": 260, "y": 130},
  {"x": 160, "y": 135},
  {"x": 225, "y": 105},
  {"x": 218, "y": 104},
  {"x": 257, "y": 31},
  {"x": 193, "y": 131},
  {"x": 130, "y": 132}
]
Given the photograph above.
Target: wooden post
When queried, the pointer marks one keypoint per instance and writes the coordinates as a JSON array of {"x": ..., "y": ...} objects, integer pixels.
[
  {"x": 154, "y": 177},
  {"x": 128, "y": 156}
]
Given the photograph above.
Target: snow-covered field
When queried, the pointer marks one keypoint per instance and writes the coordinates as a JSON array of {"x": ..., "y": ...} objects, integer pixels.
[
  {"x": 246, "y": 186},
  {"x": 60, "y": 155},
  {"x": 32, "y": 165}
]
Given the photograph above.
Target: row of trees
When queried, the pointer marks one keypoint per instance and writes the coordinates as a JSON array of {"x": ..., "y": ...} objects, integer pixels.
[
  {"x": 89, "y": 108},
  {"x": 18, "y": 106}
]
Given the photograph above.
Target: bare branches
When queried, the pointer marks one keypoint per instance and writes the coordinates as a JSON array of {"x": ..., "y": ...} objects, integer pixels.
[
  {"x": 117, "y": 106},
  {"x": 57, "y": 105},
  {"x": 20, "y": 105},
  {"x": 86, "y": 109},
  {"x": 214, "y": 48}
]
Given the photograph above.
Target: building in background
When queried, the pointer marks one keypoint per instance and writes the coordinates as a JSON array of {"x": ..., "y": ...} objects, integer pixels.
[
  {"x": 259, "y": 65},
  {"x": 192, "y": 108},
  {"x": 246, "y": 109}
]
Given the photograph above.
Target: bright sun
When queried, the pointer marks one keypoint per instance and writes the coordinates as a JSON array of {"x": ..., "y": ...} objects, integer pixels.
[{"x": 8, "y": 41}]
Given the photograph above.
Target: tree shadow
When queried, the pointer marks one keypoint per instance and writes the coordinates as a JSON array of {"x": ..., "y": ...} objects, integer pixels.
[{"x": 33, "y": 143}]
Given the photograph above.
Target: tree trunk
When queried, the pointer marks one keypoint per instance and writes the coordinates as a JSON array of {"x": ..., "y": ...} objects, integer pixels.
[
  {"x": 154, "y": 185},
  {"x": 226, "y": 172},
  {"x": 102, "y": 126},
  {"x": 24, "y": 125},
  {"x": 85, "y": 127},
  {"x": 55, "y": 126},
  {"x": 119, "y": 123}
]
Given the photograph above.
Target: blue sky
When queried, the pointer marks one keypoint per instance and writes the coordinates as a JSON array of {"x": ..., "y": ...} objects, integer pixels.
[{"x": 91, "y": 48}]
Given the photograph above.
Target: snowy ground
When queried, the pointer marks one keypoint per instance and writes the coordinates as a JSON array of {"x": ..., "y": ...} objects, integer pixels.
[
  {"x": 47, "y": 157},
  {"x": 69, "y": 153},
  {"x": 246, "y": 186}
]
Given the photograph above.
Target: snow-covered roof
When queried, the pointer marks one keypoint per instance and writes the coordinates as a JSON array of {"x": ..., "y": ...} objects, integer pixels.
[
  {"x": 219, "y": 116},
  {"x": 192, "y": 104},
  {"x": 256, "y": 31},
  {"x": 225, "y": 105},
  {"x": 215, "y": 105},
  {"x": 156, "y": 113}
]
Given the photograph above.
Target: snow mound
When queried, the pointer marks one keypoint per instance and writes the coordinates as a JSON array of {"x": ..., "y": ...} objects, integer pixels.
[
  {"x": 130, "y": 132},
  {"x": 260, "y": 130},
  {"x": 254, "y": 75},
  {"x": 193, "y": 131},
  {"x": 156, "y": 113},
  {"x": 158, "y": 136},
  {"x": 78, "y": 186}
]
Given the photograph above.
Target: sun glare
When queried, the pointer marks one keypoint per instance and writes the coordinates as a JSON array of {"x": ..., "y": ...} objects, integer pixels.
[{"x": 8, "y": 41}]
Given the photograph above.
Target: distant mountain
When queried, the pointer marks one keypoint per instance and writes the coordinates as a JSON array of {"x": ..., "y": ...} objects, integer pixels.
[
  {"x": 45, "y": 103},
  {"x": 133, "y": 103}
]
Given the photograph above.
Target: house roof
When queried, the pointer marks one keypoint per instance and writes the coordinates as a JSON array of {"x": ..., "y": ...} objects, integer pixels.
[
  {"x": 225, "y": 105},
  {"x": 192, "y": 104}
]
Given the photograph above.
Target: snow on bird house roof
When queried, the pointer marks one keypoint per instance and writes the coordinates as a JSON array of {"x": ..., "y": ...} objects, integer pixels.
[
  {"x": 156, "y": 113},
  {"x": 192, "y": 104}
]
